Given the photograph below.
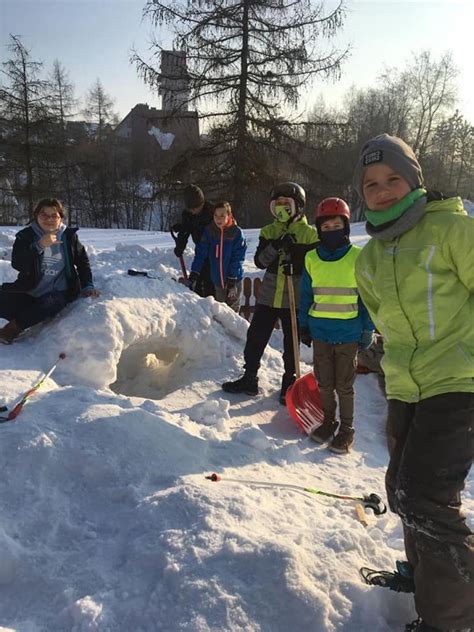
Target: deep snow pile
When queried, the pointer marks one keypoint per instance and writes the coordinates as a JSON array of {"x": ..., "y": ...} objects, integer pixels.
[{"x": 108, "y": 522}]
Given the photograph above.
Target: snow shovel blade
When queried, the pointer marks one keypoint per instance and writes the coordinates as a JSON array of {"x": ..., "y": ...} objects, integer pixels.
[{"x": 303, "y": 401}]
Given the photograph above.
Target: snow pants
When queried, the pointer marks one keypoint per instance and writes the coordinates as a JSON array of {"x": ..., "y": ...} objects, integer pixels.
[
  {"x": 431, "y": 445},
  {"x": 258, "y": 335},
  {"x": 221, "y": 296},
  {"x": 335, "y": 369},
  {"x": 28, "y": 310}
]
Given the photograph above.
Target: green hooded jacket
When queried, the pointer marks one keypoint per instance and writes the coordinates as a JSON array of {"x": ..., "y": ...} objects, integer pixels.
[
  {"x": 274, "y": 289},
  {"x": 419, "y": 289}
]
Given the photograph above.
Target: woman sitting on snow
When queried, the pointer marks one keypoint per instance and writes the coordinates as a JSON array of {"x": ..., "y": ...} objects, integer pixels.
[
  {"x": 53, "y": 270},
  {"x": 223, "y": 243}
]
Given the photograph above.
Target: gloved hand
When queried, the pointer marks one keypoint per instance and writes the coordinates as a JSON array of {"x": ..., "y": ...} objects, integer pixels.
[
  {"x": 178, "y": 250},
  {"x": 191, "y": 281},
  {"x": 284, "y": 242},
  {"x": 287, "y": 267},
  {"x": 305, "y": 336},
  {"x": 231, "y": 288},
  {"x": 366, "y": 340},
  {"x": 176, "y": 228}
]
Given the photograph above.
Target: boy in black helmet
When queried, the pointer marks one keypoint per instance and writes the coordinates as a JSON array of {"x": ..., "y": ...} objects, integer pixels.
[
  {"x": 197, "y": 215},
  {"x": 288, "y": 236}
]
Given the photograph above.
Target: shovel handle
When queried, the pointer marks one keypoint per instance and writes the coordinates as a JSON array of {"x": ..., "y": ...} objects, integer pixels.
[
  {"x": 183, "y": 267},
  {"x": 294, "y": 326}
]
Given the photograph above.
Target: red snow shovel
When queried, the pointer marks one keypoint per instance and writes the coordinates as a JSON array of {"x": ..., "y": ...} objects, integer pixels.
[{"x": 303, "y": 398}]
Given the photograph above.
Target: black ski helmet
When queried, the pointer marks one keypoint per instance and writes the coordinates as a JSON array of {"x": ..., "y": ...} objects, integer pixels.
[{"x": 291, "y": 190}]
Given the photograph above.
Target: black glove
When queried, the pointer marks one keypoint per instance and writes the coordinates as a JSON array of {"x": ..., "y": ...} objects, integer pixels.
[
  {"x": 176, "y": 228},
  {"x": 191, "y": 281},
  {"x": 178, "y": 251},
  {"x": 305, "y": 336},
  {"x": 284, "y": 242},
  {"x": 287, "y": 267}
]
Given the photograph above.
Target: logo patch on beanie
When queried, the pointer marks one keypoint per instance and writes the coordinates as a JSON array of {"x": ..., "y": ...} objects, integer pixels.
[{"x": 373, "y": 156}]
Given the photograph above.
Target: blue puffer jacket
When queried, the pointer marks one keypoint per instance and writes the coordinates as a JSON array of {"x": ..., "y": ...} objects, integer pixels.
[{"x": 225, "y": 249}]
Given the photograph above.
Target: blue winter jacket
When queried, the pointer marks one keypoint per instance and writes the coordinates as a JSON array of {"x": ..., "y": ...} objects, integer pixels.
[
  {"x": 331, "y": 330},
  {"x": 225, "y": 249}
]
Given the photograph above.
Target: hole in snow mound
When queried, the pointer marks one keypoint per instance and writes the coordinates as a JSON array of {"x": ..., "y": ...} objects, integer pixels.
[{"x": 149, "y": 369}]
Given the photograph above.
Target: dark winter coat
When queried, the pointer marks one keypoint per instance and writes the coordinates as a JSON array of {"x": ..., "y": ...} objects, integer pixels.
[
  {"x": 225, "y": 249},
  {"x": 27, "y": 260},
  {"x": 193, "y": 225}
]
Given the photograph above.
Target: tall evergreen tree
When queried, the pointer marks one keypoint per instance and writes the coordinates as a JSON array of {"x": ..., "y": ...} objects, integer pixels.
[{"x": 246, "y": 60}]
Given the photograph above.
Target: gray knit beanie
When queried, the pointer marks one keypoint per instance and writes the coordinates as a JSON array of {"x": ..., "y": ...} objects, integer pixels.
[
  {"x": 193, "y": 196},
  {"x": 391, "y": 151}
]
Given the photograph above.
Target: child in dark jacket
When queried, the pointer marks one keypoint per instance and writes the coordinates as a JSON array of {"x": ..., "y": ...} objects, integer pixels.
[
  {"x": 196, "y": 216},
  {"x": 334, "y": 319},
  {"x": 224, "y": 245},
  {"x": 53, "y": 270}
]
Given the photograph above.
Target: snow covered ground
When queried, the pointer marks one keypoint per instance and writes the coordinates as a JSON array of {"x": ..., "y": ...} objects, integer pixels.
[{"x": 107, "y": 521}]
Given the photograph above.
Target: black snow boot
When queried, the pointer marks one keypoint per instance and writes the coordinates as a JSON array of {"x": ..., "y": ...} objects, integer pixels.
[
  {"x": 286, "y": 382},
  {"x": 247, "y": 384},
  {"x": 400, "y": 580}
]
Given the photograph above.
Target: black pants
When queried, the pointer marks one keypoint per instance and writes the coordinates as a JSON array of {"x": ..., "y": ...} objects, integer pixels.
[
  {"x": 431, "y": 446},
  {"x": 205, "y": 286},
  {"x": 258, "y": 335},
  {"x": 27, "y": 310}
]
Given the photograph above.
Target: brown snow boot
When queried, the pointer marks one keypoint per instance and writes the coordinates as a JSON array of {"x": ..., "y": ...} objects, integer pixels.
[
  {"x": 325, "y": 432},
  {"x": 343, "y": 441},
  {"x": 9, "y": 332}
]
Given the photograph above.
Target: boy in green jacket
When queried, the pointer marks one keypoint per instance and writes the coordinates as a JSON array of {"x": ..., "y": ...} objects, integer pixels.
[
  {"x": 285, "y": 240},
  {"x": 416, "y": 278}
]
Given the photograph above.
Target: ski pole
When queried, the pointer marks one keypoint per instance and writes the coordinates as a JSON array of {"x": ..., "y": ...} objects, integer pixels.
[
  {"x": 369, "y": 501},
  {"x": 16, "y": 410}
]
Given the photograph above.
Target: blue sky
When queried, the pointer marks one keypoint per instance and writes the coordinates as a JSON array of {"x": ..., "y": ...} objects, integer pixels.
[{"x": 93, "y": 38}]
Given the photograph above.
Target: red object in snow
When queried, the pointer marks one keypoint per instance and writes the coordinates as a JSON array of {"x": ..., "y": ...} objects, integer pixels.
[{"x": 303, "y": 401}]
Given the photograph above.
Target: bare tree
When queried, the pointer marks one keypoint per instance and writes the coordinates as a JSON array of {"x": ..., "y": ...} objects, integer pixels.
[
  {"x": 99, "y": 110},
  {"x": 23, "y": 103},
  {"x": 434, "y": 92},
  {"x": 63, "y": 105}
]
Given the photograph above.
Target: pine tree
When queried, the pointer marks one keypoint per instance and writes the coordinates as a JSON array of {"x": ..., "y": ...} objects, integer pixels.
[{"x": 246, "y": 60}]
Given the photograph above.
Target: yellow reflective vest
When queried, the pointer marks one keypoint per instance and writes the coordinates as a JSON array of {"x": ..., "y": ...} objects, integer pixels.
[{"x": 334, "y": 284}]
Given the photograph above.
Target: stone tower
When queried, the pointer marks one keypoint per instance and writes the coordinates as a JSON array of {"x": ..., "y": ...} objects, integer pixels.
[{"x": 174, "y": 84}]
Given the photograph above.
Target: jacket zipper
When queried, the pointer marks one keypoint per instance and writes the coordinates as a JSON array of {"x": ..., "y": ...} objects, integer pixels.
[{"x": 220, "y": 259}]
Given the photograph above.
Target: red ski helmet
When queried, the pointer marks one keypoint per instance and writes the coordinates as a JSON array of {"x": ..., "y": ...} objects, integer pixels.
[{"x": 331, "y": 207}]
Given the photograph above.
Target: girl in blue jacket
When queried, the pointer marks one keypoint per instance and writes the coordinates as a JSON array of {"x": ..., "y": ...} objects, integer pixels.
[{"x": 224, "y": 244}]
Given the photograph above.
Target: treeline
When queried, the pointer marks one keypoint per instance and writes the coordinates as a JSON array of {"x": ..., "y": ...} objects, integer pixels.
[{"x": 46, "y": 151}]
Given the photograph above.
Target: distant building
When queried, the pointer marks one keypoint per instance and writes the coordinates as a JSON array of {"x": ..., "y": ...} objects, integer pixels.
[{"x": 159, "y": 139}]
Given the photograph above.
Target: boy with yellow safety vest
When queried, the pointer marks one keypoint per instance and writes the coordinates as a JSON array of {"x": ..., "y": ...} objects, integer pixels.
[{"x": 333, "y": 318}]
